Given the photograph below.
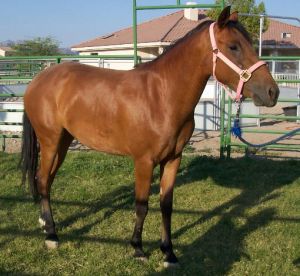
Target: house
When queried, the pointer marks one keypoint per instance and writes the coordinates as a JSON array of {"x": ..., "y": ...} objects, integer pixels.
[
  {"x": 281, "y": 39},
  {"x": 154, "y": 35},
  {"x": 5, "y": 51}
]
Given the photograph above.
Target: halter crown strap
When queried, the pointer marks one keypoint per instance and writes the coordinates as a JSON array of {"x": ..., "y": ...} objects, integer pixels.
[{"x": 245, "y": 75}]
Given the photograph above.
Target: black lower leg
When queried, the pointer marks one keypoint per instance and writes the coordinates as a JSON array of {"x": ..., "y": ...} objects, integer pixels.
[
  {"x": 141, "y": 209},
  {"x": 166, "y": 243},
  {"x": 46, "y": 216}
]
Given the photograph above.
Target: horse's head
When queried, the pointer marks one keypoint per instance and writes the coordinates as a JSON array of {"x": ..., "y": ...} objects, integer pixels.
[{"x": 234, "y": 43}]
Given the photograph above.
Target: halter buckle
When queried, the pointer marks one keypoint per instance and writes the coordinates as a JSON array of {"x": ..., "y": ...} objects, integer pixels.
[{"x": 245, "y": 75}]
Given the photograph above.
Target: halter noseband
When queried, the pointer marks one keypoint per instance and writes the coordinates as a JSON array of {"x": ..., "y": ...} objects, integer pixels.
[{"x": 245, "y": 75}]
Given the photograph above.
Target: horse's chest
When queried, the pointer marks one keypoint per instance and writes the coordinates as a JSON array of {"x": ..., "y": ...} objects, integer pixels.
[{"x": 174, "y": 144}]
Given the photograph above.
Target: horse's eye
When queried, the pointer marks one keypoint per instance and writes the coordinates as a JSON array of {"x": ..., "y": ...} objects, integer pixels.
[{"x": 233, "y": 47}]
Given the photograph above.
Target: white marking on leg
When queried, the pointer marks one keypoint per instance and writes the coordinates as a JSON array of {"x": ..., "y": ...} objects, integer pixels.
[{"x": 42, "y": 222}]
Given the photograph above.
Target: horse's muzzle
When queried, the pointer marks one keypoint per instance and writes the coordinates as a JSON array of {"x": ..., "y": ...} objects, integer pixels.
[{"x": 268, "y": 98}]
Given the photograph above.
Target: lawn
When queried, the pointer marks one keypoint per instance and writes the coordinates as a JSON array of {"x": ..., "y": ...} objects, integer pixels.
[{"x": 231, "y": 217}]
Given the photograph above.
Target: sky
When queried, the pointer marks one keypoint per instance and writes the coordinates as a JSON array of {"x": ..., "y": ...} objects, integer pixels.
[{"x": 73, "y": 21}]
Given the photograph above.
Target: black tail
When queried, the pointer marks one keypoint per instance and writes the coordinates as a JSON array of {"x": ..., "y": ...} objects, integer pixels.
[{"x": 29, "y": 156}]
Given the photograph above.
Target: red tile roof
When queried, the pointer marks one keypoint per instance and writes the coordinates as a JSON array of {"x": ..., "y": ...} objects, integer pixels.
[
  {"x": 273, "y": 36},
  {"x": 171, "y": 27},
  {"x": 163, "y": 29}
]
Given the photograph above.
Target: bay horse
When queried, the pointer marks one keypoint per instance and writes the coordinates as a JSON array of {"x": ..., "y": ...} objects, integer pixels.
[{"x": 146, "y": 113}]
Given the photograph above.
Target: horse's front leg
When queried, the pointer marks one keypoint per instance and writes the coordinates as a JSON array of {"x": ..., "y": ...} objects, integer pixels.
[
  {"x": 168, "y": 170},
  {"x": 143, "y": 178}
]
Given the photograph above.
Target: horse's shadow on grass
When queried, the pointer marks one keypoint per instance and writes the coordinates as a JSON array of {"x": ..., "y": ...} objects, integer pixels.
[
  {"x": 118, "y": 199},
  {"x": 14, "y": 273},
  {"x": 97, "y": 212},
  {"x": 215, "y": 251}
]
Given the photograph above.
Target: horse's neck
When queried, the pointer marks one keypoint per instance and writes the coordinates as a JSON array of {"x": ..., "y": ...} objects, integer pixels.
[{"x": 186, "y": 69}]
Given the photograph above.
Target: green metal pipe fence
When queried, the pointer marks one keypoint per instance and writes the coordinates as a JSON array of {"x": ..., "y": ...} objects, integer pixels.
[
  {"x": 226, "y": 117},
  {"x": 225, "y": 137},
  {"x": 58, "y": 59},
  {"x": 226, "y": 120}
]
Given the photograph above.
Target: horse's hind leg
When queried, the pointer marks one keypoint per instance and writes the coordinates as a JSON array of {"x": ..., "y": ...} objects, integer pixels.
[
  {"x": 143, "y": 178},
  {"x": 52, "y": 156}
]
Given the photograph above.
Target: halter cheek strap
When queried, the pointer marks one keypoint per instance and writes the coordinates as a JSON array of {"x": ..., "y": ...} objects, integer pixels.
[{"x": 245, "y": 75}]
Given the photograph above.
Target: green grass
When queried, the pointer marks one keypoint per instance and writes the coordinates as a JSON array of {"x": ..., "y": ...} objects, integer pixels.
[{"x": 233, "y": 217}]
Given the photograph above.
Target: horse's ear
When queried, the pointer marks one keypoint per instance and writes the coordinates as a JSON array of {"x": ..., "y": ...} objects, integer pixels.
[{"x": 224, "y": 17}]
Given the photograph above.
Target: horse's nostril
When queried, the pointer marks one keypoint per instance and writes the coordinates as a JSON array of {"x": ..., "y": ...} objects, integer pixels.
[{"x": 273, "y": 93}]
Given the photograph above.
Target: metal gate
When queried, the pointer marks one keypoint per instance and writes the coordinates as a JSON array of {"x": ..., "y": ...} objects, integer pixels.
[{"x": 287, "y": 84}]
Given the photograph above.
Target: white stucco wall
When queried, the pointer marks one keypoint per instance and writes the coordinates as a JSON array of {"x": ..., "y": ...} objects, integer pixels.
[
  {"x": 207, "y": 111},
  {"x": 144, "y": 53},
  {"x": 109, "y": 63}
]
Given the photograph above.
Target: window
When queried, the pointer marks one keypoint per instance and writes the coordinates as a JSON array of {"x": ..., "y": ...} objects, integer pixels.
[
  {"x": 94, "y": 54},
  {"x": 286, "y": 35}
]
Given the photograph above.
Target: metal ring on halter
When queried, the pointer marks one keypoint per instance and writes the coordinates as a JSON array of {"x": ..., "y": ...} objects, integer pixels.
[{"x": 245, "y": 75}]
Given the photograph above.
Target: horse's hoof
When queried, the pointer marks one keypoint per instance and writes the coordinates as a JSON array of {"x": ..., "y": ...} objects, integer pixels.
[
  {"x": 171, "y": 265},
  {"x": 171, "y": 261},
  {"x": 140, "y": 255},
  {"x": 51, "y": 244},
  {"x": 51, "y": 241}
]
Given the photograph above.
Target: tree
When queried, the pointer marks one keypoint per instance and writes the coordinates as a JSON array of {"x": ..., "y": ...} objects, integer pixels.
[
  {"x": 245, "y": 6},
  {"x": 37, "y": 47}
]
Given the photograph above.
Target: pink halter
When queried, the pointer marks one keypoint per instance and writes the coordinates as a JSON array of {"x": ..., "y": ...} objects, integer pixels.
[{"x": 245, "y": 75}]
